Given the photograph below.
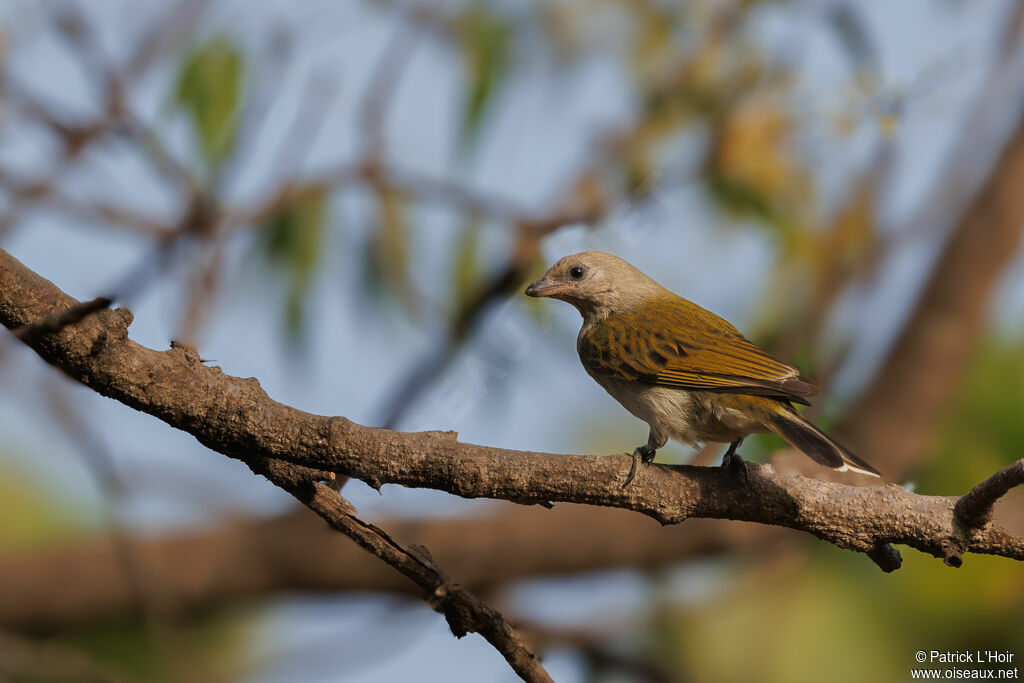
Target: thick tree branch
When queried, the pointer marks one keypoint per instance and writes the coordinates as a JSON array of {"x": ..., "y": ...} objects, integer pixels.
[{"x": 235, "y": 417}]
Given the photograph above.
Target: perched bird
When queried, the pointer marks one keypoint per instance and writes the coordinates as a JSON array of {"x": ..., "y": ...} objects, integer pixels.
[{"x": 687, "y": 373}]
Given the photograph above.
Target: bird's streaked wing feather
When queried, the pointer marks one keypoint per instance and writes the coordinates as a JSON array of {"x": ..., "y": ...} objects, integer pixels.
[{"x": 675, "y": 343}]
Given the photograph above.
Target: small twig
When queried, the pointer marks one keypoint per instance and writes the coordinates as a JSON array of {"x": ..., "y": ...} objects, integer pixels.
[
  {"x": 974, "y": 509},
  {"x": 55, "y": 322}
]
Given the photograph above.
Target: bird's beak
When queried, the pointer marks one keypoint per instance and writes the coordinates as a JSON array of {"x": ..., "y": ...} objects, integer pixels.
[{"x": 544, "y": 287}]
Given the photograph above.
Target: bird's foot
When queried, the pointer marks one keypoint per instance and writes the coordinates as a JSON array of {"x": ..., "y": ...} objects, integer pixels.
[
  {"x": 733, "y": 463},
  {"x": 640, "y": 453}
]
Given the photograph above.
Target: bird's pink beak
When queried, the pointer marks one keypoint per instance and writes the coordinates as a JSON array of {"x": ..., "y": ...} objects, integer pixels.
[{"x": 544, "y": 287}]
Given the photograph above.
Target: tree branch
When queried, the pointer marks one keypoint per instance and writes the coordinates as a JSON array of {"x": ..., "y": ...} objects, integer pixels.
[{"x": 235, "y": 417}]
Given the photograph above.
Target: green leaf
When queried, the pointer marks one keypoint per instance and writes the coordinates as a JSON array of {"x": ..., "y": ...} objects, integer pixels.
[
  {"x": 294, "y": 240},
  {"x": 739, "y": 198},
  {"x": 983, "y": 432},
  {"x": 388, "y": 252},
  {"x": 485, "y": 41},
  {"x": 30, "y": 514},
  {"x": 465, "y": 268},
  {"x": 209, "y": 90},
  {"x": 213, "y": 642}
]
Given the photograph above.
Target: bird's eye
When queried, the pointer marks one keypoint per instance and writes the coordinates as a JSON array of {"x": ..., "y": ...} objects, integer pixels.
[{"x": 577, "y": 272}]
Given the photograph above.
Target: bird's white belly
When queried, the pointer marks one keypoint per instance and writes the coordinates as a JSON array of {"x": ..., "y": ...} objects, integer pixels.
[{"x": 691, "y": 417}]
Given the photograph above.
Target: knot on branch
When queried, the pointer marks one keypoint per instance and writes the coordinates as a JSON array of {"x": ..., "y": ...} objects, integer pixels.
[
  {"x": 464, "y": 615},
  {"x": 886, "y": 557}
]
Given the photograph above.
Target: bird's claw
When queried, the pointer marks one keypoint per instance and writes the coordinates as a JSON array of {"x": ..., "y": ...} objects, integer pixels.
[
  {"x": 640, "y": 453},
  {"x": 736, "y": 465}
]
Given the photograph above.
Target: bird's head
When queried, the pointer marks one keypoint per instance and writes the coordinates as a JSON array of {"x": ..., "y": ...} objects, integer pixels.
[{"x": 596, "y": 283}]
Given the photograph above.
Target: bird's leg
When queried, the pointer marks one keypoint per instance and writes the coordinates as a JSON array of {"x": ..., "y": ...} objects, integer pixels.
[
  {"x": 732, "y": 460},
  {"x": 645, "y": 454}
]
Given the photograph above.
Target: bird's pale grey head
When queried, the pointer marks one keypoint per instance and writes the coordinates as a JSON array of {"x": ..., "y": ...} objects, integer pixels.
[{"x": 596, "y": 283}]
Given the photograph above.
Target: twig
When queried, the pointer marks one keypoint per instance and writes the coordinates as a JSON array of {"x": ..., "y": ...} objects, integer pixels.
[
  {"x": 975, "y": 508},
  {"x": 55, "y": 322}
]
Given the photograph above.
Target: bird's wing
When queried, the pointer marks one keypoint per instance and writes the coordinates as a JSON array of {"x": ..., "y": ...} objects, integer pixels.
[{"x": 676, "y": 343}]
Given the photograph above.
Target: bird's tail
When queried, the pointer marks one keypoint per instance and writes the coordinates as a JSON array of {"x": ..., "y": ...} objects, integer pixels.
[{"x": 816, "y": 444}]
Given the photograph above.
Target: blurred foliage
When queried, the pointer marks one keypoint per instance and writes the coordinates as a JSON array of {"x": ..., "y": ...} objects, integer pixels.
[
  {"x": 466, "y": 266},
  {"x": 29, "y": 515},
  {"x": 387, "y": 262},
  {"x": 984, "y": 431},
  {"x": 294, "y": 240},
  {"x": 485, "y": 42},
  {"x": 755, "y": 172},
  {"x": 209, "y": 90},
  {"x": 212, "y": 646},
  {"x": 836, "y": 617}
]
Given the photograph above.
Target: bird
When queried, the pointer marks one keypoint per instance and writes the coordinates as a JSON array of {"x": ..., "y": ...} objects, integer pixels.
[{"x": 686, "y": 372}]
